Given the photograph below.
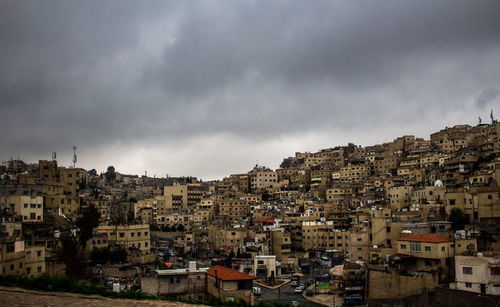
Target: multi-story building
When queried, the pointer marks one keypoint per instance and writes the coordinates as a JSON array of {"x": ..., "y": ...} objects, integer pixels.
[
  {"x": 262, "y": 178},
  {"x": 184, "y": 197},
  {"x": 479, "y": 273},
  {"x": 128, "y": 236},
  {"x": 323, "y": 235}
]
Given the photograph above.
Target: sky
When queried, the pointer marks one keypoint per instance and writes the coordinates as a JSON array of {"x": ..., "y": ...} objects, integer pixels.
[{"x": 211, "y": 88}]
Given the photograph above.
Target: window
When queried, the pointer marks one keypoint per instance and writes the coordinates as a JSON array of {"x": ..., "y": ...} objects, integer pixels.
[
  {"x": 39, "y": 269},
  {"x": 443, "y": 249},
  {"x": 38, "y": 253},
  {"x": 415, "y": 247},
  {"x": 122, "y": 234},
  {"x": 495, "y": 271},
  {"x": 468, "y": 285},
  {"x": 25, "y": 205},
  {"x": 467, "y": 270},
  {"x": 403, "y": 246},
  {"x": 427, "y": 248}
]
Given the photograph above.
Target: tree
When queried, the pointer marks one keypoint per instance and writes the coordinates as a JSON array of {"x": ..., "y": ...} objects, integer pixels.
[
  {"x": 87, "y": 222},
  {"x": 458, "y": 219},
  {"x": 110, "y": 174}
]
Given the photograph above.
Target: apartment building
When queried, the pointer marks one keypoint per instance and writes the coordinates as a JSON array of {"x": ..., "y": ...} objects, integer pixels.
[
  {"x": 323, "y": 235},
  {"x": 183, "y": 197}
]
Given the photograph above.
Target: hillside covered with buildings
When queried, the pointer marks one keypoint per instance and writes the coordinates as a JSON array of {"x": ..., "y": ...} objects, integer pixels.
[{"x": 377, "y": 224}]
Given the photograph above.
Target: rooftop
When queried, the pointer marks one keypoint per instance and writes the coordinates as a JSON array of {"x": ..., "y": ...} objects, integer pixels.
[
  {"x": 228, "y": 274},
  {"x": 429, "y": 238}
]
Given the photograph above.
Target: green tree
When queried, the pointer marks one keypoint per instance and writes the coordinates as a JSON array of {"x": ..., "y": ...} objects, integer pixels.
[
  {"x": 110, "y": 174},
  {"x": 88, "y": 220}
]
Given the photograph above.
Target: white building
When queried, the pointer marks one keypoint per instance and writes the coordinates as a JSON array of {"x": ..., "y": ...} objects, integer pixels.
[{"x": 480, "y": 274}]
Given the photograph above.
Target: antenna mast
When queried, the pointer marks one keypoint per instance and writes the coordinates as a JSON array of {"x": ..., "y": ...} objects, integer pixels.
[{"x": 74, "y": 156}]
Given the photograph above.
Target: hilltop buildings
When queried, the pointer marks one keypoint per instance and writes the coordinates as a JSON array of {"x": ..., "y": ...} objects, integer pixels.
[{"x": 406, "y": 216}]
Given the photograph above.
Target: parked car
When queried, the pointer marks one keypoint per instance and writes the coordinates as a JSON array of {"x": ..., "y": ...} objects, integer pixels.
[
  {"x": 257, "y": 290},
  {"x": 299, "y": 290},
  {"x": 294, "y": 303},
  {"x": 294, "y": 283}
]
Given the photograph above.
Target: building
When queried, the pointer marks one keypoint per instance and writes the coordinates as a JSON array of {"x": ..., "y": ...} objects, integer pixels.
[
  {"x": 479, "y": 273},
  {"x": 183, "y": 197},
  {"x": 230, "y": 285},
  {"x": 185, "y": 283},
  {"x": 265, "y": 266},
  {"x": 128, "y": 236}
]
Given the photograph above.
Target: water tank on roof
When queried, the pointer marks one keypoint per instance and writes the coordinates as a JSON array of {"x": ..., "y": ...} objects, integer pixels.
[{"x": 438, "y": 183}]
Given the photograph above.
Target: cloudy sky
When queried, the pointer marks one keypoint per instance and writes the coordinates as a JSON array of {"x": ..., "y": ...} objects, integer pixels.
[{"x": 209, "y": 88}]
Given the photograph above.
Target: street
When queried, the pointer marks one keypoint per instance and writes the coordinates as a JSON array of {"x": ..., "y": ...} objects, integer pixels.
[{"x": 285, "y": 295}]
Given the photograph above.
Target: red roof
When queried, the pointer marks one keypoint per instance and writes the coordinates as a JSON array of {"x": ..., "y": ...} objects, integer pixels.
[
  {"x": 429, "y": 238},
  {"x": 228, "y": 274},
  {"x": 264, "y": 220}
]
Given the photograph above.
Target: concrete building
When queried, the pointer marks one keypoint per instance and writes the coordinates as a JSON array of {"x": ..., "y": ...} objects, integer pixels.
[
  {"x": 479, "y": 273},
  {"x": 230, "y": 285},
  {"x": 266, "y": 266}
]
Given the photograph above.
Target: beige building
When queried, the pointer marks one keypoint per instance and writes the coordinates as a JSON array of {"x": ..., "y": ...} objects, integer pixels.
[
  {"x": 358, "y": 245},
  {"x": 34, "y": 260},
  {"x": 323, "y": 235},
  {"x": 479, "y": 273},
  {"x": 264, "y": 266},
  {"x": 23, "y": 200},
  {"x": 12, "y": 257},
  {"x": 183, "y": 197},
  {"x": 30, "y": 208},
  {"x": 207, "y": 209},
  {"x": 234, "y": 209},
  {"x": 262, "y": 178},
  {"x": 180, "y": 283},
  {"x": 399, "y": 197},
  {"x": 226, "y": 237},
  {"x": 135, "y": 236},
  {"x": 230, "y": 285}
]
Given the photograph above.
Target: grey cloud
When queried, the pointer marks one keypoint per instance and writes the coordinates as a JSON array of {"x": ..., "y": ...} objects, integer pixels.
[
  {"x": 151, "y": 73},
  {"x": 486, "y": 96}
]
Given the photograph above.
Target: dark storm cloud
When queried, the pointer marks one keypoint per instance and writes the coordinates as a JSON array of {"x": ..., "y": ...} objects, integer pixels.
[{"x": 166, "y": 75}]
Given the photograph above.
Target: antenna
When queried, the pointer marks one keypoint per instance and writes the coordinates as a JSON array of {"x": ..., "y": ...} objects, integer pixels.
[
  {"x": 54, "y": 155},
  {"x": 74, "y": 156}
]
